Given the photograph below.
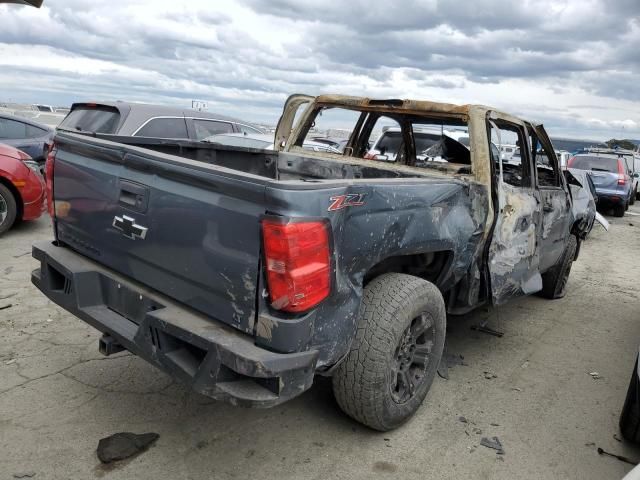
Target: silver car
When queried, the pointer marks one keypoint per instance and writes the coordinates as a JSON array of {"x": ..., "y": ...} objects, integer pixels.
[{"x": 151, "y": 121}]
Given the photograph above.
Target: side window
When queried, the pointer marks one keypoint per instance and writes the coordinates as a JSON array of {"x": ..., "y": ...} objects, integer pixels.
[
  {"x": 164, "y": 128},
  {"x": 546, "y": 162},
  {"x": 515, "y": 168},
  {"x": 34, "y": 132},
  {"x": 12, "y": 129},
  {"x": 206, "y": 128}
]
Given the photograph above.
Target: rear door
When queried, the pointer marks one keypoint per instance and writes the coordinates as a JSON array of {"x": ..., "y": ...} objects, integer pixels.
[
  {"x": 514, "y": 263},
  {"x": 186, "y": 229},
  {"x": 554, "y": 194}
]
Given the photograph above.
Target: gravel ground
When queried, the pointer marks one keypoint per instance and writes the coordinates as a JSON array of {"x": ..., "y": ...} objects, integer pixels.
[{"x": 530, "y": 388}]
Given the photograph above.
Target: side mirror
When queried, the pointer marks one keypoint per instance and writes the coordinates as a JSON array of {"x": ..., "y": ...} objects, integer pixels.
[{"x": 636, "y": 175}]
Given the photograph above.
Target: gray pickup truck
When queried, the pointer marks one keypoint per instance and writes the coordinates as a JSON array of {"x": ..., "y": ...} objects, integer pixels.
[{"x": 246, "y": 272}]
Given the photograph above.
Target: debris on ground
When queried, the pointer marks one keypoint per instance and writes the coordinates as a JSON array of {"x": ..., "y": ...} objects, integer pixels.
[
  {"x": 595, "y": 375},
  {"x": 477, "y": 431},
  {"x": 516, "y": 389},
  {"x": 616, "y": 437},
  {"x": 4, "y": 307},
  {"x": 9, "y": 362},
  {"x": 24, "y": 475},
  {"x": 463, "y": 419},
  {"x": 488, "y": 330},
  {"x": 618, "y": 457},
  {"x": 493, "y": 443},
  {"x": 124, "y": 445},
  {"x": 489, "y": 375},
  {"x": 494, "y": 424}
]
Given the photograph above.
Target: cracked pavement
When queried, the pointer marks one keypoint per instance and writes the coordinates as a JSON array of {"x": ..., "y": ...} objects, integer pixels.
[{"x": 59, "y": 396}]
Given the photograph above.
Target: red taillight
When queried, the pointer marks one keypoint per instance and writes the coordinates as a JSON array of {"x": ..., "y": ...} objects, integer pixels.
[
  {"x": 298, "y": 263},
  {"x": 621, "y": 178},
  {"x": 48, "y": 173}
]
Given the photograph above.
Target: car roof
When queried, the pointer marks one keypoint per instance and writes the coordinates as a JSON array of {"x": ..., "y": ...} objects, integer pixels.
[
  {"x": 26, "y": 120},
  {"x": 134, "y": 115}
]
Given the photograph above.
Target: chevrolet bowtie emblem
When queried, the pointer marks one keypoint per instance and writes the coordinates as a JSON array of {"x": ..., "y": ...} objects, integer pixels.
[{"x": 129, "y": 228}]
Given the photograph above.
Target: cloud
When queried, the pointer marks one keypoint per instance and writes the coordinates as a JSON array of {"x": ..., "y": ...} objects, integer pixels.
[{"x": 566, "y": 61}]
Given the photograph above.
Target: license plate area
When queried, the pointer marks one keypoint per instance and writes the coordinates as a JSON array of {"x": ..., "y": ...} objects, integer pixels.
[{"x": 126, "y": 302}]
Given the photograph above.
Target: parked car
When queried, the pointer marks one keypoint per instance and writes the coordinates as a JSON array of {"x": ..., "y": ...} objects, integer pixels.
[
  {"x": 264, "y": 141},
  {"x": 21, "y": 188},
  {"x": 31, "y": 137},
  {"x": 154, "y": 121},
  {"x": 632, "y": 163},
  {"x": 245, "y": 273},
  {"x": 610, "y": 176},
  {"x": 630, "y": 415},
  {"x": 389, "y": 142}
]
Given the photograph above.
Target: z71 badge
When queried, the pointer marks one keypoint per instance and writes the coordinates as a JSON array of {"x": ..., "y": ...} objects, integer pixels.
[{"x": 343, "y": 201}]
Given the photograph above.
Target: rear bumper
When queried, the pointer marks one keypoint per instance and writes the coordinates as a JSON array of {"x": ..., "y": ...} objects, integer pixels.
[
  {"x": 612, "y": 198},
  {"x": 213, "y": 359}
]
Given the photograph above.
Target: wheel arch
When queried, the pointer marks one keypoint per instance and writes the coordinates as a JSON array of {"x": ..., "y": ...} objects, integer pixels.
[{"x": 431, "y": 266}]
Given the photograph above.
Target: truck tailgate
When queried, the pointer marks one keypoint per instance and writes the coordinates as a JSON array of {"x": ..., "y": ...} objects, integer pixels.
[{"x": 188, "y": 230}]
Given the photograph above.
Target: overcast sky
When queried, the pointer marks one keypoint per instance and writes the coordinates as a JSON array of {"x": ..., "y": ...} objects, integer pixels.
[{"x": 572, "y": 64}]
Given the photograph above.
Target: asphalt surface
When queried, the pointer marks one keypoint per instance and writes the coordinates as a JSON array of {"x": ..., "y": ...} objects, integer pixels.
[{"x": 531, "y": 388}]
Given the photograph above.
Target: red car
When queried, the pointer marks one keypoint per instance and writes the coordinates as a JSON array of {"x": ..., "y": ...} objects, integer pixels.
[{"x": 22, "y": 188}]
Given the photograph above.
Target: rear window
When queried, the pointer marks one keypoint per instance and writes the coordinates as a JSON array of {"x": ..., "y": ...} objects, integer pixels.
[
  {"x": 100, "y": 119},
  {"x": 602, "y": 164}
]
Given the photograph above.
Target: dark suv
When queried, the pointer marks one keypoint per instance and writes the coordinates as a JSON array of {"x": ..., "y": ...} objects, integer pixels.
[{"x": 611, "y": 178}]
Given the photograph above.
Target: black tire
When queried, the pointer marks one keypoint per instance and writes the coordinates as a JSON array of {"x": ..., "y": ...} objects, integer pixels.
[
  {"x": 396, "y": 351},
  {"x": 618, "y": 211},
  {"x": 8, "y": 209},
  {"x": 630, "y": 416},
  {"x": 554, "y": 282},
  {"x": 632, "y": 199}
]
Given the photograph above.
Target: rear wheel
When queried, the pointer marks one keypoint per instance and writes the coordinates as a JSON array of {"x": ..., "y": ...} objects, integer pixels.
[
  {"x": 394, "y": 357},
  {"x": 632, "y": 200},
  {"x": 8, "y": 209},
  {"x": 630, "y": 416},
  {"x": 618, "y": 210},
  {"x": 554, "y": 282}
]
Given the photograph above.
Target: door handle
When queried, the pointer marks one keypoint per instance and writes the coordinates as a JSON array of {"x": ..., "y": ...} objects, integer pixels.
[{"x": 133, "y": 195}]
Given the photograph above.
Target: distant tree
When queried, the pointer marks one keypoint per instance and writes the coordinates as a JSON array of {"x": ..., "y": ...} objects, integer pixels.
[{"x": 626, "y": 144}]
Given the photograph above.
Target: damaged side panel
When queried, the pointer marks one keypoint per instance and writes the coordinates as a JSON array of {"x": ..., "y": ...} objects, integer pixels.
[
  {"x": 513, "y": 255},
  {"x": 413, "y": 223}
]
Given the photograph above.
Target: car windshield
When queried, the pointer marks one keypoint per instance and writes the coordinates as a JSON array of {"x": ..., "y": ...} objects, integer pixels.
[{"x": 602, "y": 164}]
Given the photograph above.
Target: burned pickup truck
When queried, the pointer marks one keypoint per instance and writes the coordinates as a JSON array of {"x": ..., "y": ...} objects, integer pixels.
[{"x": 246, "y": 272}]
